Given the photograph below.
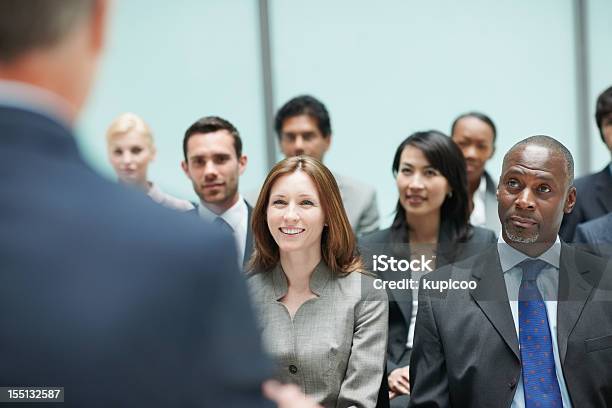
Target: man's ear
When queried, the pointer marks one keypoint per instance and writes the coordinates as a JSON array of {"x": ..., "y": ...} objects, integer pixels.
[
  {"x": 328, "y": 139},
  {"x": 570, "y": 201},
  {"x": 242, "y": 163},
  {"x": 185, "y": 168},
  {"x": 99, "y": 24}
]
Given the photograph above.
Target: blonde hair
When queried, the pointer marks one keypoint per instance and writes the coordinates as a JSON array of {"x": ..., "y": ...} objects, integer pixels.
[
  {"x": 338, "y": 242},
  {"x": 129, "y": 122}
]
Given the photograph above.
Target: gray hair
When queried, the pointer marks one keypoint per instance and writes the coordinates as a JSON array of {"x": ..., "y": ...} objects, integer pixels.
[
  {"x": 552, "y": 144},
  {"x": 29, "y": 24}
]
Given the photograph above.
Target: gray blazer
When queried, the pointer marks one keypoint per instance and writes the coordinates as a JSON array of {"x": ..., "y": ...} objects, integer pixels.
[
  {"x": 490, "y": 200},
  {"x": 359, "y": 201},
  {"x": 334, "y": 349}
]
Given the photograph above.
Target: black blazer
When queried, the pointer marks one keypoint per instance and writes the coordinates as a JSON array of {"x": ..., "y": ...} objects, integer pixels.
[
  {"x": 596, "y": 235},
  {"x": 400, "y": 300},
  {"x": 109, "y": 295},
  {"x": 248, "y": 248},
  {"x": 466, "y": 351},
  {"x": 593, "y": 199}
]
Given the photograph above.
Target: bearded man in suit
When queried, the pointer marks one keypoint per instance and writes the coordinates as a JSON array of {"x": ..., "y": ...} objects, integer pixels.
[{"x": 535, "y": 327}]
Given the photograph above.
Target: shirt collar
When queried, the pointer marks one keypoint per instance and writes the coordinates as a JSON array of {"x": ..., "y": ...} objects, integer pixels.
[
  {"x": 318, "y": 280},
  {"x": 232, "y": 215},
  {"x": 32, "y": 98},
  {"x": 510, "y": 257}
]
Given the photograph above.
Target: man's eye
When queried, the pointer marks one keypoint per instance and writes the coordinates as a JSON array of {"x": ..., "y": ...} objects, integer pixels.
[
  {"x": 512, "y": 183},
  {"x": 544, "y": 189},
  {"x": 220, "y": 160},
  {"x": 289, "y": 138}
]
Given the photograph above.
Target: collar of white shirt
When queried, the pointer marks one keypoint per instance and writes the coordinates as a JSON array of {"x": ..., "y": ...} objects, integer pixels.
[
  {"x": 234, "y": 216},
  {"x": 510, "y": 257}
]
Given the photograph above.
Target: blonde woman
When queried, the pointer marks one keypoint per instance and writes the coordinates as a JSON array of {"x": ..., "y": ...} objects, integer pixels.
[
  {"x": 322, "y": 320},
  {"x": 130, "y": 151}
]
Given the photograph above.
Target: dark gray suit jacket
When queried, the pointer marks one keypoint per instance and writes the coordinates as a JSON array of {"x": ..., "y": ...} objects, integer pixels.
[
  {"x": 593, "y": 200},
  {"x": 466, "y": 351},
  {"x": 596, "y": 235},
  {"x": 400, "y": 306},
  {"x": 107, "y": 294}
]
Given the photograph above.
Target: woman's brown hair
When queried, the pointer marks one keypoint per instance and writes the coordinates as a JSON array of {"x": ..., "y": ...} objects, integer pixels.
[{"x": 338, "y": 242}]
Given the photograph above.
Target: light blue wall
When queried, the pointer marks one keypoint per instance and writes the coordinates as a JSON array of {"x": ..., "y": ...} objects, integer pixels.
[
  {"x": 385, "y": 72},
  {"x": 171, "y": 63},
  {"x": 600, "y": 57},
  {"x": 384, "y": 69}
]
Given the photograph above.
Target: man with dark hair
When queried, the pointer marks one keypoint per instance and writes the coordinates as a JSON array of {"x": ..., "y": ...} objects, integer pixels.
[
  {"x": 103, "y": 292},
  {"x": 303, "y": 127},
  {"x": 533, "y": 328},
  {"x": 594, "y": 190},
  {"x": 475, "y": 134},
  {"x": 214, "y": 162}
]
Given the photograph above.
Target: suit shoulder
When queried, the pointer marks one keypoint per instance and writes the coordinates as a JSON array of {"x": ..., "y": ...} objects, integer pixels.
[
  {"x": 376, "y": 237},
  {"x": 357, "y": 186},
  {"x": 598, "y": 228},
  {"x": 361, "y": 284},
  {"x": 586, "y": 183},
  {"x": 484, "y": 235}
]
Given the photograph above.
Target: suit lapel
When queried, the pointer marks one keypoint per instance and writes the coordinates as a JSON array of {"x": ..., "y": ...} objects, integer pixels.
[
  {"x": 574, "y": 291},
  {"x": 248, "y": 247},
  {"x": 492, "y": 298}
]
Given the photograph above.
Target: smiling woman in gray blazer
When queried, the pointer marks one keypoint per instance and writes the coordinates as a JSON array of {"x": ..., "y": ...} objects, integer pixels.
[{"x": 321, "y": 318}]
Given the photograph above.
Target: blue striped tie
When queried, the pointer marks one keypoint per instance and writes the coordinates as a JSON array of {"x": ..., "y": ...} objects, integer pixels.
[{"x": 537, "y": 358}]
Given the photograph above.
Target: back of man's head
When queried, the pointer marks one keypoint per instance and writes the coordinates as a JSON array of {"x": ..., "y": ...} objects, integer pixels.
[
  {"x": 26, "y": 25},
  {"x": 53, "y": 45}
]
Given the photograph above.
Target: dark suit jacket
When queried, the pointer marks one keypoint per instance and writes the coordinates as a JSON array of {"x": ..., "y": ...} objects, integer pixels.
[
  {"x": 105, "y": 293},
  {"x": 593, "y": 199},
  {"x": 596, "y": 235},
  {"x": 466, "y": 351},
  {"x": 248, "y": 248},
  {"x": 400, "y": 306}
]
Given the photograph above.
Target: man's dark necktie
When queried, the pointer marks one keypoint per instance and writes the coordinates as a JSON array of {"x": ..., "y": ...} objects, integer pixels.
[
  {"x": 223, "y": 225},
  {"x": 537, "y": 358}
]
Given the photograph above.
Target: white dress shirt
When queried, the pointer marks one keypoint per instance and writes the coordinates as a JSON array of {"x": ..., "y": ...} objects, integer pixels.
[
  {"x": 548, "y": 284},
  {"x": 237, "y": 217},
  {"x": 479, "y": 213}
]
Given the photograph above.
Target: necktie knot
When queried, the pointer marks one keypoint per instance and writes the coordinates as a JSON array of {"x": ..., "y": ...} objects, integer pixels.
[{"x": 531, "y": 268}]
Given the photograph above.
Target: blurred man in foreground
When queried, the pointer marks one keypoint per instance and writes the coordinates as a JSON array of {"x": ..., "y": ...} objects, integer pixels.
[{"x": 102, "y": 292}]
